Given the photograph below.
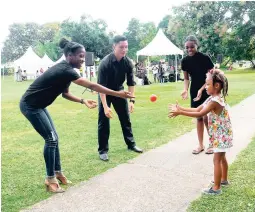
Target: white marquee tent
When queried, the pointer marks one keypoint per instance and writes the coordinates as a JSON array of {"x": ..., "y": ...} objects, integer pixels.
[
  {"x": 60, "y": 59},
  {"x": 46, "y": 62},
  {"x": 30, "y": 62},
  {"x": 160, "y": 45}
]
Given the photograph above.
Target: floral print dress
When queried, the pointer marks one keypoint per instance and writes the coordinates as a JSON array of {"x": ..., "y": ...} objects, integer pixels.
[{"x": 220, "y": 128}]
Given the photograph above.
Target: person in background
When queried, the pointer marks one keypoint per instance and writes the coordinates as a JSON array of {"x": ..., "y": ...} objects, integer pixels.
[
  {"x": 41, "y": 71},
  {"x": 37, "y": 74},
  {"x": 24, "y": 75},
  {"x": 155, "y": 73},
  {"x": 196, "y": 65},
  {"x": 19, "y": 74},
  {"x": 161, "y": 72}
]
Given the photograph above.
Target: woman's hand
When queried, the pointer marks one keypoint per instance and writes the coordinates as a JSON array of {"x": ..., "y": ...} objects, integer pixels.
[
  {"x": 199, "y": 95},
  {"x": 184, "y": 94},
  {"x": 90, "y": 103},
  {"x": 125, "y": 94}
]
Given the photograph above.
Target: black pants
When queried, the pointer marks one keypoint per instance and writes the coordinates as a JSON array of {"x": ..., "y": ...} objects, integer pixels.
[
  {"x": 43, "y": 124},
  {"x": 155, "y": 77},
  {"x": 121, "y": 107}
]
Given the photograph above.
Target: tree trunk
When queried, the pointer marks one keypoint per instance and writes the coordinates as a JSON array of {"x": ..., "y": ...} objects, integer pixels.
[
  {"x": 226, "y": 62},
  {"x": 253, "y": 65}
]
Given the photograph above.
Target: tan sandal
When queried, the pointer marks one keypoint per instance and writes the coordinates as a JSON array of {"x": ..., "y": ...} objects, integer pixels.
[
  {"x": 53, "y": 186},
  {"x": 209, "y": 151},
  {"x": 62, "y": 178},
  {"x": 197, "y": 151}
]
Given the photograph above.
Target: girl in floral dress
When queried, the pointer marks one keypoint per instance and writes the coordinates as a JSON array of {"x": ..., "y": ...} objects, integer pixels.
[{"x": 220, "y": 129}]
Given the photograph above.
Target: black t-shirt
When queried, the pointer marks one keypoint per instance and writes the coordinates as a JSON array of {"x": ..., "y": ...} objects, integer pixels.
[
  {"x": 113, "y": 73},
  {"x": 197, "y": 66},
  {"x": 46, "y": 88}
]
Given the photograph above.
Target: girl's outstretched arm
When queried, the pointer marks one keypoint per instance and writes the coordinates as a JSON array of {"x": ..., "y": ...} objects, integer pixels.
[
  {"x": 205, "y": 110},
  {"x": 173, "y": 106},
  {"x": 189, "y": 109}
]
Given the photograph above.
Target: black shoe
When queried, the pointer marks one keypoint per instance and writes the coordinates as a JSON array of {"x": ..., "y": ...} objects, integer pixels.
[
  {"x": 104, "y": 157},
  {"x": 135, "y": 149}
]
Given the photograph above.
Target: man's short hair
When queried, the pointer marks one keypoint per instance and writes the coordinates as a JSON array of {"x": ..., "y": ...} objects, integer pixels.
[{"x": 119, "y": 38}]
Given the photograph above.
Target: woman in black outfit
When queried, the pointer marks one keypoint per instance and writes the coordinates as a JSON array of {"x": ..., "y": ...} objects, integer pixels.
[
  {"x": 195, "y": 65},
  {"x": 43, "y": 91}
]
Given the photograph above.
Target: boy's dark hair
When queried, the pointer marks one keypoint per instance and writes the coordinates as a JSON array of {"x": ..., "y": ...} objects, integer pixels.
[
  {"x": 69, "y": 46},
  {"x": 192, "y": 38},
  {"x": 119, "y": 38}
]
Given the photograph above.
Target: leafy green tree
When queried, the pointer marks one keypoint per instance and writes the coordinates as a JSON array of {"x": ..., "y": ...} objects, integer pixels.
[
  {"x": 239, "y": 42},
  {"x": 225, "y": 27},
  {"x": 148, "y": 32},
  {"x": 50, "y": 47},
  {"x": 41, "y": 37},
  {"x": 139, "y": 35},
  {"x": 133, "y": 33},
  {"x": 163, "y": 24},
  {"x": 20, "y": 38},
  {"x": 91, "y": 33}
]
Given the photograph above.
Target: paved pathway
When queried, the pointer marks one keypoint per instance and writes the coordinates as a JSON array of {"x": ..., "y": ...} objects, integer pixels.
[{"x": 166, "y": 179}]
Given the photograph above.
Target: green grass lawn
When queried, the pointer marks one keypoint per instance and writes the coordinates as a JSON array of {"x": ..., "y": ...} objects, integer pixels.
[
  {"x": 240, "y": 195},
  {"x": 23, "y": 166}
]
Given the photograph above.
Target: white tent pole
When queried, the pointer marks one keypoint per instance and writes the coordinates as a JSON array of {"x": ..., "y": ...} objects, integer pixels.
[
  {"x": 1, "y": 61},
  {"x": 148, "y": 60},
  {"x": 176, "y": 71}
]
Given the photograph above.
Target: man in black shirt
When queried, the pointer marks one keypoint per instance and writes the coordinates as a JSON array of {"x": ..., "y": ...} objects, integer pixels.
[{"x": 112, "y": 72}]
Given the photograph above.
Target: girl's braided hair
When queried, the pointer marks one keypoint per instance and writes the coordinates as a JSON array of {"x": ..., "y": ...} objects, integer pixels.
[{"x": 218, "y": 77}]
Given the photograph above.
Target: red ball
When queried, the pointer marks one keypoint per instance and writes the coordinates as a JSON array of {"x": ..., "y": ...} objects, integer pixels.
[{"x": 153, "y": 98}]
